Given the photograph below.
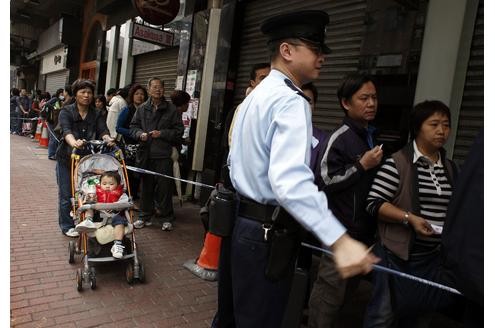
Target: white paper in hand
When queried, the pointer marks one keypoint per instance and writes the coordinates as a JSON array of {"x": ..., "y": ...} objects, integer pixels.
[{"x": 437, "y": 229}]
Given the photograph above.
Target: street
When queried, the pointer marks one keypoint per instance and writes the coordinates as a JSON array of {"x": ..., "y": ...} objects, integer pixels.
[{"x": 42, "y": 282}]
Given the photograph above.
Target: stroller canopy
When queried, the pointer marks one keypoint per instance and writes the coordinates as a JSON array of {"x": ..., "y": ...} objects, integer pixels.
[{"x": 97, "y": 164}]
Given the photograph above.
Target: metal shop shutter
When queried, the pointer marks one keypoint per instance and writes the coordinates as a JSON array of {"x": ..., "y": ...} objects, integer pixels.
[
  {"x": 344, "y": 36},
  {"x": 56, "y": 81},
  {"x": 161, "y": 64},
  {"x": 471, "y": 112}
]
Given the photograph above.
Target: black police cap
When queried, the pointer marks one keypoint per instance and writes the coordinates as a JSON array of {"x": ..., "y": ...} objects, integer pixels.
[{"x": 308, "y": 25}]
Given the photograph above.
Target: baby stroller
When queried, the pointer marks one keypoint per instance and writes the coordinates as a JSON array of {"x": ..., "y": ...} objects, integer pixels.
[{"x": 93, "y": 247}]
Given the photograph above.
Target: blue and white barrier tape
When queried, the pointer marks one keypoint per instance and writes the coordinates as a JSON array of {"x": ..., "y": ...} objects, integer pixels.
[
  {"x": 375, "y": 266},
  {"x": 139, "y": 170},
  {"x": 395, "y": 272}
]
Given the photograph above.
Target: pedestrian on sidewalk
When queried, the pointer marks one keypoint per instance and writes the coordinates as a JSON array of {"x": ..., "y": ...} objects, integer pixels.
[
  {"x": 78, "y": 122},
  {"x": 14, "y": 110},
  {"x": 50, "y": 112},
  {"x": 136, "y": 97},
  {"x": 24, "y": 105},
  {"x": 158, "y": 126},
  {"x": 347, "y": 169},
  {"x": 409, "y": 196}
]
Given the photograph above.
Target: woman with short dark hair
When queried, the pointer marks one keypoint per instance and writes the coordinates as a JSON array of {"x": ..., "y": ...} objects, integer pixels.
[
  {"x": 136, "y": 97},
  {"x": 101, "y": 105},
  {"x": 78, "y": 122},
  {"x": 409, "y": 197}
]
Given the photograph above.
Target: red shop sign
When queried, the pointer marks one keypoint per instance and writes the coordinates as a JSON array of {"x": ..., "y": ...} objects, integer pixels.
[{"x": 157, "y": 12}]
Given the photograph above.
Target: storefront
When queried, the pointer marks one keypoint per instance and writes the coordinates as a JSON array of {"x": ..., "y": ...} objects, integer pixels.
[
  {"x": 53, "y": 67},
  {"x": 380, "y": 38},
  {"x": 161, "y": 64},
  {"x": 472, "y": 107}
]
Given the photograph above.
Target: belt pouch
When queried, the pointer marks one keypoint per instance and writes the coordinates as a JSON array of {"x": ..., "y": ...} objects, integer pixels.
[{"x": 222, "y": 211}]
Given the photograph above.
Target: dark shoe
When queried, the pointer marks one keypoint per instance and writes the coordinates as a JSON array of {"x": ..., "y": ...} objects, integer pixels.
[{"x": 53, "y": 158}]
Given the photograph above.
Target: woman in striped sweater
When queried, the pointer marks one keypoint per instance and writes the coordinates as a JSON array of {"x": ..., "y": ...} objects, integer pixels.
[{"x": 409, "y": 197}]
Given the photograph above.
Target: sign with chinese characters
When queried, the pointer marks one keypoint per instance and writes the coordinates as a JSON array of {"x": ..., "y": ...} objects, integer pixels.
[
  {"x": 54, "y": 61},
  {"x": 157, "y": 12},
  {"x": 152, "y": 35}
]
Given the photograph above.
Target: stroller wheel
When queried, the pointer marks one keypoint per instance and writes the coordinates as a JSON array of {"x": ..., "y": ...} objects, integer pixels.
[
  {"x": 142, "y": 277},
  {"x": 92, "y": 277},
  {"x": 72, "y": 250},
  {"x": 79, "y": 280},
  {"x": 129, "y": 273}
]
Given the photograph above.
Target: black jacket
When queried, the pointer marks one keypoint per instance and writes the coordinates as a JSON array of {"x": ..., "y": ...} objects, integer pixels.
[
  {"x": 92, "y": 127},
  {"x": 166, "y": 119},
  {"x": 344, "y": 180},
  {"x": 462, "y": 237}
]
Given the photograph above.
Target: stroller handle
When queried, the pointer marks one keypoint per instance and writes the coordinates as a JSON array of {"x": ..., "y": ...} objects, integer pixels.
[
  {"x": 105, "y": 206},
  {"x": 96, "y": 147}
]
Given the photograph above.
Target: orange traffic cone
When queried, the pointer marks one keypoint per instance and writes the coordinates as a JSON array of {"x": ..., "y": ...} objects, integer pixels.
[
  {"x": 44, "y": 135},
  {"x": 39, "y": 126},
  {"x": 206, "y": 266}
]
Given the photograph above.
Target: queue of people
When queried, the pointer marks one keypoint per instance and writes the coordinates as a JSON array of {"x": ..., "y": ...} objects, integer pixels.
[
  {"x": 146, "y": 128},
  {"x": 290, "y": 177},
  {"x": 367, "y": 207}
]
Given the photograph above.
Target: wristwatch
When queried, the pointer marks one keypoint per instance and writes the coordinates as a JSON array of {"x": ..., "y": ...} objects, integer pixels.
[{"x": 405, "y": 220}]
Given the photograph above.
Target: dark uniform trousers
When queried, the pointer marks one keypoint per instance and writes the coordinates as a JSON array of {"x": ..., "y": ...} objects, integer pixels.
[{"x": 257, "y": 302}]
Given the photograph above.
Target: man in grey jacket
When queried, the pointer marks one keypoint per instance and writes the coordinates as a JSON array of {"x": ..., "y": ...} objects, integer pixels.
[{"x": 158, "y": 127}]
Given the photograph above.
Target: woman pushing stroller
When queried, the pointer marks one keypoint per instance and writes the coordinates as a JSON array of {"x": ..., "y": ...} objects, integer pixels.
[{"x": 79, "y": 121}]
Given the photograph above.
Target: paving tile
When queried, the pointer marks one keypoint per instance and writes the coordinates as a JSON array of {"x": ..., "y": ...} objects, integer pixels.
[{"x": 42, "y": 282}]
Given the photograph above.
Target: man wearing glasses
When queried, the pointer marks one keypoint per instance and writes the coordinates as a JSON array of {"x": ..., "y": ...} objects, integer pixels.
[
  {"x": 269, "y": 168},
  {"x": 158, "y": 127}
]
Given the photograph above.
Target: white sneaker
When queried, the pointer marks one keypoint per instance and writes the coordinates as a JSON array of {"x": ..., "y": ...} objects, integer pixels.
[
  {"x": 138, "y": 224},
  {"x": 167, "y": 226},
  {"x": 72, "y": 233},
  {"x": 86, "y": 226},
  {"x": 117, "y": 250}
]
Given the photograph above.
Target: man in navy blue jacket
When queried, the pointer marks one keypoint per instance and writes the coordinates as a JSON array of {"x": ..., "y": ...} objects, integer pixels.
[{"x": 347, "y": 170}]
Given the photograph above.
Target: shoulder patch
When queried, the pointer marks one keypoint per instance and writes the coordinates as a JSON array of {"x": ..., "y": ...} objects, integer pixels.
[{"x": 293, "y": 87}]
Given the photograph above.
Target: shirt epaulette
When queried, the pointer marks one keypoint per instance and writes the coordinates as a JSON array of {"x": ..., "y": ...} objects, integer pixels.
[{"x": 293, "y": 87}]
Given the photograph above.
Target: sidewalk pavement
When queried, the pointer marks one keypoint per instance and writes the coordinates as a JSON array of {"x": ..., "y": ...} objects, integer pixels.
[{"x": 42, "y": 282}]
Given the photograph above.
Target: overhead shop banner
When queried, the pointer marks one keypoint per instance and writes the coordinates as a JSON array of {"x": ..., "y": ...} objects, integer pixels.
[
  {"x": 152, "y": 35},
  {"x": 157, "y": 12}
]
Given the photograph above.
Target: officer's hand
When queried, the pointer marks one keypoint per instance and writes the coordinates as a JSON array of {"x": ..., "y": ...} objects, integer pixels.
[
  {"x": 371, "y": 158},
  {"x": 143, "y": 136},
  {"x": 352, "y": 257},
  {"x": 420, "y": 225}
]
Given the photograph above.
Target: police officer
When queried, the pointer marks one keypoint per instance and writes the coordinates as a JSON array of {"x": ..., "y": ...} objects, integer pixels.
[{"x": 269, "y": 167}]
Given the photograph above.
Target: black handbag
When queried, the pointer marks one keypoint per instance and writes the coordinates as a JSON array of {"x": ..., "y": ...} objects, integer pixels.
[{"x": 142, "y": 154}]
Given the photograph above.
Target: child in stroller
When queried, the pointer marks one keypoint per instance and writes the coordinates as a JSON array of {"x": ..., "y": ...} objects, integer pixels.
[{"x": 109, "y": 190}]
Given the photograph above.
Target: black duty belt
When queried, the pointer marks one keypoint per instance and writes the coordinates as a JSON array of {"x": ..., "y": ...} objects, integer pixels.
[{"x": 252, "y": 210}]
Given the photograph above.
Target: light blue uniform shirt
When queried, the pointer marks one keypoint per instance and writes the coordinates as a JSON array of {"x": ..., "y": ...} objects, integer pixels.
[{"x": 270, "y": 153}]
